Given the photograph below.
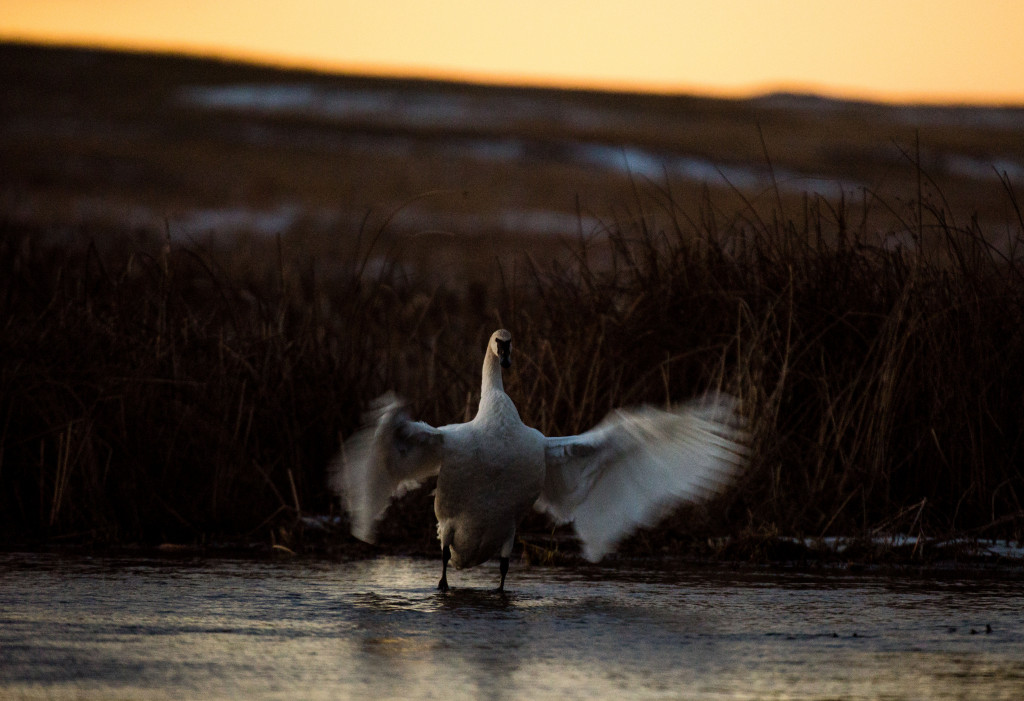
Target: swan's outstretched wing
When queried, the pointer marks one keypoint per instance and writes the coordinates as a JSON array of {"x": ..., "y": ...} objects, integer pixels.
[
  {"x": 637, "y": 464},
  {"x": 388, "y": 455}
]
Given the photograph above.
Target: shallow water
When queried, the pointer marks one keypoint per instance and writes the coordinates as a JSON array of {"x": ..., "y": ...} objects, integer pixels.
[{"x": 83, "y": 627}]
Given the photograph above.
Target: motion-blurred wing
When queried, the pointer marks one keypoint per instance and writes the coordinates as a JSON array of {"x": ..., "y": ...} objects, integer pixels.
[
  {"x": 637, "y": 464},
  {"x": 387, "y": 456}
]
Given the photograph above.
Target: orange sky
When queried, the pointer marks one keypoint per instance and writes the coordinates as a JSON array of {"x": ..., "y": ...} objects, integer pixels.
[{"x": 908, "y": 50}]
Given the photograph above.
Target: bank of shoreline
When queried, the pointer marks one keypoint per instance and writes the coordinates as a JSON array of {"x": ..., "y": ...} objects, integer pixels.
[{"x": 959, "y": 555}]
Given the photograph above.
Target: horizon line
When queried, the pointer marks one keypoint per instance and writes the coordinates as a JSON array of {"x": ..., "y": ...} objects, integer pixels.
[{"x": 438, "y": 74}]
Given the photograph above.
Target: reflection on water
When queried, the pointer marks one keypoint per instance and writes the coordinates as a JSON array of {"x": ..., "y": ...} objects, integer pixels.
[{"x": 80, "y": 627}]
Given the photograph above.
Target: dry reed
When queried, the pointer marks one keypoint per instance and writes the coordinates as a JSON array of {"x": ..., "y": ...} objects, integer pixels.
[{"x": 174, "y": 394}]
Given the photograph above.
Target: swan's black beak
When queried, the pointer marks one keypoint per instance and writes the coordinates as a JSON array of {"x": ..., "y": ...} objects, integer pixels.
[{"x": 505, "y": 354}]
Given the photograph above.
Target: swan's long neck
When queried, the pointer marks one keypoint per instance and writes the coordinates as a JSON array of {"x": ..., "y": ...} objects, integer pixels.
[
  {"x": 495, "y": 405},
  {"x": 491, "y": 377}
]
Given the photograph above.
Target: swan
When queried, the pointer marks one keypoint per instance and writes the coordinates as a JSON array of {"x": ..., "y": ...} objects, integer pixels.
[{"x": 626, "y": 472}]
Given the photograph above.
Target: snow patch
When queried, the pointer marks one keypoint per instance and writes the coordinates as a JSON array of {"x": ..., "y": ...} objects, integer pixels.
[
  {"x": 510, "y": 221},
  {"x": 984, "y": 169},
  {"x": 392, "y": 106},
  {"x": 237, "y": 220},
  {"x": 631, "y": 160},
  {"x": 968, "y": 546}
]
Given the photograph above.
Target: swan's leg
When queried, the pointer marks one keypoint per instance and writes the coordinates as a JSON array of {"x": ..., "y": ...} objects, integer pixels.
[
  {"x": 504, "y": 571},
  {"x": 446, "y": 555},
  {"x": 506, "y": 550}
]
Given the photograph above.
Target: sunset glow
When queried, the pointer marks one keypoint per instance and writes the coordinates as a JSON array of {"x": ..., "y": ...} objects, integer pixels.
[{"x": 910, "y": 50}]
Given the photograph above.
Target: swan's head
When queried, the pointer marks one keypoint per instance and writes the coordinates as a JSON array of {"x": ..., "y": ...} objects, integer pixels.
[{"x": 501, "y": 345}]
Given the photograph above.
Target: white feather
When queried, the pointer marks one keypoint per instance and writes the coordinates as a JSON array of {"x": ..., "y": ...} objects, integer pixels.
[
  {"x": 636, "y": 465},
  {"x": 386, "y": 457}
]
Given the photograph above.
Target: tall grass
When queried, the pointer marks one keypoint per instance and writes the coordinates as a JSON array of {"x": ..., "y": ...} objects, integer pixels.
[{"x": 188, "y": 392}]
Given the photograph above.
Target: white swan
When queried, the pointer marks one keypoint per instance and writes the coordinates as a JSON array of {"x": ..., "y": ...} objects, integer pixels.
[{"x": 626, "y": 472}]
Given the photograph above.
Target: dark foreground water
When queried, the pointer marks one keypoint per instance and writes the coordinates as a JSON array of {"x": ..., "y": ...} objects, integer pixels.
[{"x": 82, "y": 627}]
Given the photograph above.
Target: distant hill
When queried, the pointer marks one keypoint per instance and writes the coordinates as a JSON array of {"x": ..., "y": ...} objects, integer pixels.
[{"x": 118, "y": 139}]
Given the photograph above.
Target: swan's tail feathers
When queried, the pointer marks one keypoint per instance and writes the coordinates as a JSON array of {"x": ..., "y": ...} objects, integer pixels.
[
  {"x": 637, "y": 465},
  {"x": 387, "y": 456}
]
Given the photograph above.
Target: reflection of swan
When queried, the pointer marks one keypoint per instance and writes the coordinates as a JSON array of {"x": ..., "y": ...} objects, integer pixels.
[{"x": 624, "y": 473}]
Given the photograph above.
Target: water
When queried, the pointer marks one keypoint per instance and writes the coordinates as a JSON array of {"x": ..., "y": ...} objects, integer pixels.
[{"x": 92, "y": 628}]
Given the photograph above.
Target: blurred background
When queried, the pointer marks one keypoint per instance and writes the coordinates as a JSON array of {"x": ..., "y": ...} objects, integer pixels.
[{"x": 447, "y": 123}]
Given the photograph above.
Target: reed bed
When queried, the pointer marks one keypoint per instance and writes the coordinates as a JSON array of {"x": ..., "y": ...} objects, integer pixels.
[{"x": 160, "y": 392}]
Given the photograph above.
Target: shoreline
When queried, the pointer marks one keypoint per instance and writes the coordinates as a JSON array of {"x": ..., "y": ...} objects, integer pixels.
[{"x": 851, "y": 555}]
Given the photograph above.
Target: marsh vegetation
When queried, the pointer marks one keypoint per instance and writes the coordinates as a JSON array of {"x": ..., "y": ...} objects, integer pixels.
[{"x": 157, "y": 391}]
